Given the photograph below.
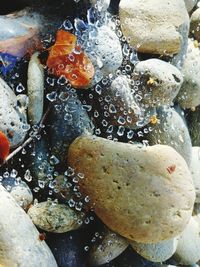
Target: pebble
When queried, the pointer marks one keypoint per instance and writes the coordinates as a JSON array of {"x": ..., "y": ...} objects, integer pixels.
[
  {"x": 107, "y": 248},
  {"x": 171, "y": 130},
  {"x": 154, "y": 26},
  {"x": 195, "y": 24},
  {"x": 195, "y": 171},
  {"x": 35, "y": 86},
  {"x": 188, "y": 249},
  {"x": 55, "y": 218},
  {"x": 15, "y": 125},
  {"x": 140, "y": 179},
  {"x": 20, "y": 244},
  {"x": 158, "y": 252},
  {"x": 189, "y": 94},
  {"x": 158, "y": 82},
  {"x": 18, "y": 189},
  {"x": 104, "y": 50}
]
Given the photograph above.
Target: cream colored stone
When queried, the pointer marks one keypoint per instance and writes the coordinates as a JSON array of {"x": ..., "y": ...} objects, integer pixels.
[
  {"x": 154, "y": 26},
  {"x": 143, "y": 193},
  {"x": 19, "y": 239},
  {"x": 158, "y": 252},
  {"x": 188, "y": 249},
  {"x": 190, "y": 4},
  {"x": 35, "y": 86}
]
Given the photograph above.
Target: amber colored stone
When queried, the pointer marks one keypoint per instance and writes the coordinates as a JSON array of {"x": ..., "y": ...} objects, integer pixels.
[{"x": 66, "y": 58}]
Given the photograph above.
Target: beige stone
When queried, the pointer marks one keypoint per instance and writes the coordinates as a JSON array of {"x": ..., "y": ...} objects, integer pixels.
[
  {"x": 158, "y": 252},
  {"x": 188, "y": 249},
  {"x": 154, "y": 26},
  {"x": 158, "y": 82},
  {"x": 190, "y": 4},
  {"x": 143, "y": 193},
  {"x": 55, "y": 218},
  {"x": 189, "y": 94},
  {"x": 20, "y": 244}
]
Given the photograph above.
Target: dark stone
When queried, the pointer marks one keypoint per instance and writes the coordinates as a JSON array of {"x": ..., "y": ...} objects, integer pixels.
[
  {"x": 68, "y": 249},
  {"x": 67, "y": 123}
]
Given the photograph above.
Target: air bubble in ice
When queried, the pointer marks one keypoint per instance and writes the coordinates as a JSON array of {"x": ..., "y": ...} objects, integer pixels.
[{"x": 51, "y": 96}]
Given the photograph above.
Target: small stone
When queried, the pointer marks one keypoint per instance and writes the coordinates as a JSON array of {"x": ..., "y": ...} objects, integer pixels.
[
  {"x": 19, "y": 238},
  {"x": 193, "y": 120},
  {"x": 107, "y": 248},
  {"x": 132, "y": 186},
  {"x": 171, "y": 130},
  {"x": 189, "y": 94},
  {"x": 154, "y": 26},
  {"x": 158, "y": 82},
  {"x": 35, "y": 85},
  {"x": 188, "y": 249},
  {"x": 55, "y": 218},
  {"x": 22, "y": 195},
  {"x": 158, "y": 252},
  {"x": 195, "y": 24},
  {"x": 195, "y": 171}
]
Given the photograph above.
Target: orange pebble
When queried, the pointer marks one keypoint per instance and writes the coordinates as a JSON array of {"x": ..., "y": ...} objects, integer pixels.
[
  {"x": 4, "y": 147},
  {"x": 62, "y": 60}
]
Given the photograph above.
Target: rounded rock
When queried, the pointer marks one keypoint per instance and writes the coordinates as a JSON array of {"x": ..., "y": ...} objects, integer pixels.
[
  {"x": 171, "y": 130},
  {"x": 188, "y": 249},
  {"x": 141, "y": 179},
  {"x": 158, "y": 252},
  {"x": 154, "y": 26},
  {"x": 158, "y": 82},
  {"x": 53, "y": 217},
  {"x": 109, "y": 247},
  {"x": 22, "y": 195},
  {"x": 189, "y": 94},
  {"x": 19, "y": 241}
]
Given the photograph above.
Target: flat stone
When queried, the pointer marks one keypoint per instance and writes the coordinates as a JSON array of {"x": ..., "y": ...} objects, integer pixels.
[
  {"x": 129, "y": 189},
  {"x": 55, "y": 218},
  {"x": 153, "y": 26}
]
